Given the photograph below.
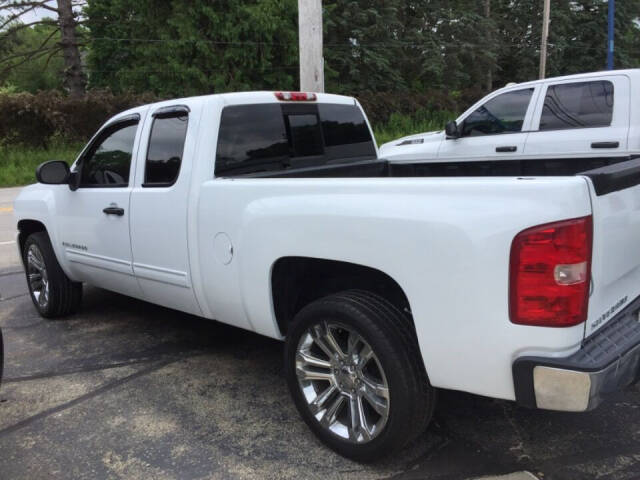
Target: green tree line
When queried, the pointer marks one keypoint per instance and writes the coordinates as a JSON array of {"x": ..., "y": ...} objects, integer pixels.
[{"x": 189, "y": 47}]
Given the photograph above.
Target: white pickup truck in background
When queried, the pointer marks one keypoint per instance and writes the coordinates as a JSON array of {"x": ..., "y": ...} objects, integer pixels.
[
  {"x": 591, "y": 118},
  {"x": 272, "y": 212}
]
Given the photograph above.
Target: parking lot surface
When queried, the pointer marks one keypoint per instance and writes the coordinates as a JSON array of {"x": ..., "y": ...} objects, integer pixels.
[{"x": 126, "y": 389}]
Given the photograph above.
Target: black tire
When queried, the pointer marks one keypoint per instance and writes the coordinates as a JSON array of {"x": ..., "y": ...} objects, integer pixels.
[
  {"x": 392, "y": 338},
  {"x": 64, "y": 295}
]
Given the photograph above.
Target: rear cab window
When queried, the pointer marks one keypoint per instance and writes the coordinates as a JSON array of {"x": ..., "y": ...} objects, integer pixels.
[{"x": 273, "y": 137}]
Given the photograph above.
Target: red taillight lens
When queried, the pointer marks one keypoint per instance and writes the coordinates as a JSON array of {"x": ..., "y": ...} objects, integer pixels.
[
  {"x": 296, "y": 96},
  {"x": 550, "y": 271}
]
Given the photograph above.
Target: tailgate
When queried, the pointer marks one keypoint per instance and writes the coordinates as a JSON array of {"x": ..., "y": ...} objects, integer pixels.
[{"x": 615, "y": 270}]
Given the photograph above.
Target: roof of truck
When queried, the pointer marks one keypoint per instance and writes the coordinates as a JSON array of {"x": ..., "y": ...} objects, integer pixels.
[
  {"x": 238, "y": 98},
  {"x": 631, "y": 72}
]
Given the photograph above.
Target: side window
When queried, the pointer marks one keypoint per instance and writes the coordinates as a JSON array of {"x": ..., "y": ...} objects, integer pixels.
[
  {"x": 577, "y": 105},
  {"x": 108, "y": 161},
  {"x": 502, "y": 114},
  {"x": 166, "y": 145}
]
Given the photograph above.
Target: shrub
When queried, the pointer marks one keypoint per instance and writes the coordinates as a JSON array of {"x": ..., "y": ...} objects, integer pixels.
[{"x": 51, "y": 117}]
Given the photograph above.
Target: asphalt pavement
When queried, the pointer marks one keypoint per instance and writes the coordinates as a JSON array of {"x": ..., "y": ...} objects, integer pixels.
[{"x": 126, "y": 389}]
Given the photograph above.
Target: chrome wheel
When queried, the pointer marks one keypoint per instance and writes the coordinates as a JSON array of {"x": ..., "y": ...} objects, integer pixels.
[
  {"x": 37, "y": 276},
  {"x": 343, "y": 382}
]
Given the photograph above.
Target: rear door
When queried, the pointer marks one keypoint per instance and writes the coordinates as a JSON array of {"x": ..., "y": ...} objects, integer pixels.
[
  {"x": 615, "y": 270},
  {"x": 496, "y": 130},
  {"x": 582, "y": 118},
  {"x": 159, "y": 203}
]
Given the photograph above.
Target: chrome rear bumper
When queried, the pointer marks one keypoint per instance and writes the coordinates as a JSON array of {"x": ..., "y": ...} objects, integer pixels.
[{"x": 608, "y": 361}]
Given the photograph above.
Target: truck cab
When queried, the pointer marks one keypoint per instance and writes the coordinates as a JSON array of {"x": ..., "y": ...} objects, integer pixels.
[{"x": 583, "y": 116}]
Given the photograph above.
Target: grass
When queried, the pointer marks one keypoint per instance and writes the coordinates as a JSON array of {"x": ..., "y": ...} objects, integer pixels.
[
  {"x": 402, "y": 125},
  {"x": 18, "y": 164}
]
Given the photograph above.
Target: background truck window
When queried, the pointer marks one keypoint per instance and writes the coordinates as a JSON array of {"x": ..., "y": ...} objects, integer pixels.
[
  {"x": 502, "y": 114},
  {"x": 577, "y": 105},
  {"x": 166, "y": 145}
]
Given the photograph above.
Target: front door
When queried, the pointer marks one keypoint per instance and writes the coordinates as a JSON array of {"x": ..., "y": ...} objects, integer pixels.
[
  {"x": 94, "y": 219},
  {"x": 496, "y": 130}
]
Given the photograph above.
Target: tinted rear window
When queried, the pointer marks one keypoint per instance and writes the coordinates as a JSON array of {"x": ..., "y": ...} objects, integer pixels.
[
  {"x": 577, "y": 105},
  {"x": 306, "y": 139},
  {"x": 273, "y": 137},
  {"x": 343, "y": 125}
]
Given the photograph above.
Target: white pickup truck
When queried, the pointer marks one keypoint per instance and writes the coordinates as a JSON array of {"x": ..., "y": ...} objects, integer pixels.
[
  {"x": 590, "y": 118},
  {"x": 271, "y": 211}
]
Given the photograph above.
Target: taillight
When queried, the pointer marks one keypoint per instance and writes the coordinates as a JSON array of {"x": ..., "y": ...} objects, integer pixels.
[
  {"x": 296, "y": 96},
  {"x": 550, "y": 272}
]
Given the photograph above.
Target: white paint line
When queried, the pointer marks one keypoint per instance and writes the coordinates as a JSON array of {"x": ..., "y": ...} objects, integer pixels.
[
  {"x": 10, "y": 242},
  {"x": 512, "y": 476}
]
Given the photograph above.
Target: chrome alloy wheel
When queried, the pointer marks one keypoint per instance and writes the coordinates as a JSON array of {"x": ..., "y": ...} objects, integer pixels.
[
  {"x": 343, "y": 382},
  {"x": 37, "y": 276}
]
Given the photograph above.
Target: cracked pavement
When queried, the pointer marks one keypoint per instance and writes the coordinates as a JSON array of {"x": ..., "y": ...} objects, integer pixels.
[{"x": 126, "y": 389}]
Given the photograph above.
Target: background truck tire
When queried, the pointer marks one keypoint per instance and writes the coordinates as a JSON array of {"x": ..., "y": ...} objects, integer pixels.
[
  {"x": 63, "y": 296},
  {"x": 312, "y": 373}
]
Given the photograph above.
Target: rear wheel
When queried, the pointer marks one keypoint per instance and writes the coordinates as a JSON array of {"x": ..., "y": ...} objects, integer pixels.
[
  {"x": 356, "y": 376},
  {"x": 52, "y": 292}
]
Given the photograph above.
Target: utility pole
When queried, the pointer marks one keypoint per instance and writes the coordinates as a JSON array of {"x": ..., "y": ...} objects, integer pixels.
[
  {"x": 611, "y": 14},
  {"x": 545, "y": 37},
  {"x": 487, "y": 14},
  {"x": 310, "y": 42}
]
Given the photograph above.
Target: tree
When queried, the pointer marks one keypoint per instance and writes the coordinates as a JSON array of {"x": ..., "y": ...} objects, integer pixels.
[
  {"x": 44, "y": 73},
  {"x": 62, "y": 37},
  {"x": 189, "y": 47}
]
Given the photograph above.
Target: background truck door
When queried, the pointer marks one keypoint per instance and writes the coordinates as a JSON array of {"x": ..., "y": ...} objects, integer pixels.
[
  {"x": 94, "y": 219},
  {"x": 581, "y": 118},
  {"x": 495, "y": 130},
  {"x": 159, "y": 204}
]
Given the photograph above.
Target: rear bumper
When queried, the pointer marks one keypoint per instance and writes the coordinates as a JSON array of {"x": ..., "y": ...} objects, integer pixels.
[{"x": 608, "y": 361}]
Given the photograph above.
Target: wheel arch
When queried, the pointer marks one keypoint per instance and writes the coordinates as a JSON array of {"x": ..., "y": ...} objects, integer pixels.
[
  {"x": 297, "y": 281},
  {"x": 25, "y": 228}
]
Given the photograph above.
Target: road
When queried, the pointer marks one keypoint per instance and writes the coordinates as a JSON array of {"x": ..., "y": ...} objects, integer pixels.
[{"x": 126, "y": 389}]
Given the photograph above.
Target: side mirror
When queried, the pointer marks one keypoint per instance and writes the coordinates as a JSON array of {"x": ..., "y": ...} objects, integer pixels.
[
  {"x": 54, "y": 172},
  {"x": 451, "y": 129}
]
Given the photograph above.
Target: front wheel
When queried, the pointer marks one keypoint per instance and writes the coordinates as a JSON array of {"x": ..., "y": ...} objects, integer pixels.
[
  {"x": 52, "y": 292},
  {"x": 356, "y": 376}
]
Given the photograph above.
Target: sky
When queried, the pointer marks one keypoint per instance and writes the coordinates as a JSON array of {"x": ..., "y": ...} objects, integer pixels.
[{"x": 39, "y": 13}]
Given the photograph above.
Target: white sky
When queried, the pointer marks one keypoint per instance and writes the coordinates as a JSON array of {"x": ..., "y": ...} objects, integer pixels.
[{"x": 39, "y": 13}]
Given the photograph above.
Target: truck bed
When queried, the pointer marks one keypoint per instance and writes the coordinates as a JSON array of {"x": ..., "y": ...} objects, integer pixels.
[{"x": 496, "y": 168}]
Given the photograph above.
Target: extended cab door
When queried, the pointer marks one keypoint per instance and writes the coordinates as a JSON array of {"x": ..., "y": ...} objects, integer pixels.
[
  {"x": 581, "y": 118},
  {"x": 94, "y": 219},
  {"x": 496, "y": 130},
  {"x": 159, "y": 204}
]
